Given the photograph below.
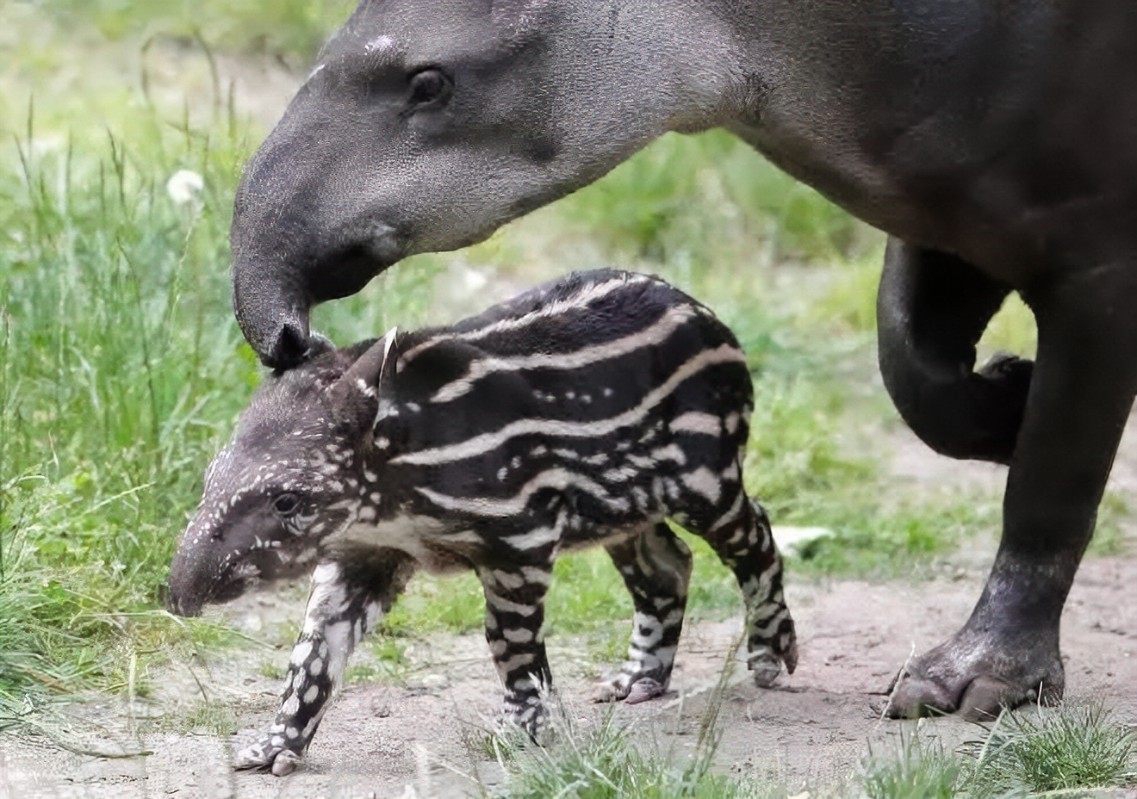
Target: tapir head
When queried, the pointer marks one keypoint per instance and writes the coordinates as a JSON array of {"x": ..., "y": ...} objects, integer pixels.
[
  {"x": 290, "y": 476},
  {"x": 427, "y": 124}
]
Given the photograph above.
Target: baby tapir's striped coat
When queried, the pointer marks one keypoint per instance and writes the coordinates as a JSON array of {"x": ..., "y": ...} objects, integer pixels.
[{"x": 583, "y": 412}]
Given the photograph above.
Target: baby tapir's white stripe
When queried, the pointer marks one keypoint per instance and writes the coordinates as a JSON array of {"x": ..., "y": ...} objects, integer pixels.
[
  {"x": 591, "y": 429},
  {"x": 652, "y": 336}
]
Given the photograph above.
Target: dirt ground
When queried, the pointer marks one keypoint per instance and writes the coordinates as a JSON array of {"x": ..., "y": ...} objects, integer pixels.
[{"x": 419, "y": 738}]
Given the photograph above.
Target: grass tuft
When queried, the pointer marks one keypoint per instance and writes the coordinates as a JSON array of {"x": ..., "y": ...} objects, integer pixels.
[
  {"x": 1068, "y": 749},
  {"x": 918, "y": 770},
  {"x": 614, "y": 760},
  {"x": 1063, "y": 751}
]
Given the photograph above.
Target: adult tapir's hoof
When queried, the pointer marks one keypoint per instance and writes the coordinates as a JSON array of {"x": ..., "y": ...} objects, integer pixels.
[
  {"x": 976, "y": 679},
  {"x": 981, "y": 699}
]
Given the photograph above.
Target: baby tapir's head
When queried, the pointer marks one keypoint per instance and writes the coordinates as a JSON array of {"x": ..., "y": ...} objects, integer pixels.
[{"x": 288, "y": 477}]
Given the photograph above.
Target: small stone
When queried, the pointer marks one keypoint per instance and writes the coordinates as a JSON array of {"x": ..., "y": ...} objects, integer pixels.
[
  {"x": 792, "y": 540},
  {"x": 250, "y": 623},
  {"x": 433, "y": 682}
]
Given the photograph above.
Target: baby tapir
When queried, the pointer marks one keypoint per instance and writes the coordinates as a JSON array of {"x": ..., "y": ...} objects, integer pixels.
[{"x": 584, "y": 412}]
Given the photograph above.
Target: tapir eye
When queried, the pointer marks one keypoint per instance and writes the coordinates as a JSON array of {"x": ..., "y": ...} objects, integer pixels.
[
  {"x": 429, "y": 88},
  {"x": 286, "y": 504}
]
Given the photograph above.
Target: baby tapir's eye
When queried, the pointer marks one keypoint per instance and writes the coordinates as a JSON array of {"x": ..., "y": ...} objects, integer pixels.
[{"x": 286, "y": 504}]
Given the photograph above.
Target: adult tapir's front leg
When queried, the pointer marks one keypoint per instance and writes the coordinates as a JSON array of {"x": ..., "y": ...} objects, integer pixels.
[
  {"x": 344, "y": 605},
  {"x": 932, "y": 309},
  {"x": 1080, "y": 396}
]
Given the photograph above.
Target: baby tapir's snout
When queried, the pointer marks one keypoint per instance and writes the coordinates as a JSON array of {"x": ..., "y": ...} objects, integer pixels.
[
  {"x": 190, "y": 578},
  {"x": 284, "y": 480},
  {"x": 586, "y": 412},
  {"x": 225, "y": 548},
  {"x": 213, "y": 564}
]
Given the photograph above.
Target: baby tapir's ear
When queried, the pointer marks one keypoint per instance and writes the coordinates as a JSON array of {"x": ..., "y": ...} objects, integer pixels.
[{"x": 357, "y": 392}]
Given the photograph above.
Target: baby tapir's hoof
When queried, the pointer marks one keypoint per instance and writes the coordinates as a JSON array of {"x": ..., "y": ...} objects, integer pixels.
[
  {"x": 621, "y": 689},
  {"x": 268, "y": 755},
  {"x": 766, "y": 666},
  {"x": 527, "y": 715},
  {"x": 766, "y": 662}
]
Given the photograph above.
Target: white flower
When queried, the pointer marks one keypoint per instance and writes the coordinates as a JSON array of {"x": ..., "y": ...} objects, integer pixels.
[
  {"x": 185, "y": 187},
  {"x": 46, "y": 145}
]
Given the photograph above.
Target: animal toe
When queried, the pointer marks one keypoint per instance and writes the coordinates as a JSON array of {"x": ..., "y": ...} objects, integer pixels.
[
  {"x": 285, "y": 763},
  {"x": 643, "y": 690}
]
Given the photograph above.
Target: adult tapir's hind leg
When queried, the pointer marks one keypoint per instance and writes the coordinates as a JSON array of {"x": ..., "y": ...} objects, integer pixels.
[
  {"x": 1080, "y": 396},
  {"x": 656, "y": 567},
  {"x": 932, "y": 309}
]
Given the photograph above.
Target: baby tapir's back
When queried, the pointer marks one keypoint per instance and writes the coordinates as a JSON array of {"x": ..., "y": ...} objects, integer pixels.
[{"x": 600, "y": 400}]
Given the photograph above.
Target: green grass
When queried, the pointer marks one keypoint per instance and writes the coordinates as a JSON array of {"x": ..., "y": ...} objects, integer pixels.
[
  {"x": 110, "y": 358},
  {"x": 917, "y": 770},
  {"x": 285, "y": 28},
  {"x": 1062, "y": 751},
  {"x": 603, "y": 763},
  {"x": 715, "y": 192},
  {"x": 1070, "y": 750},
  {"x": 613, "y": 759},
  {"x": 120, "y": 372}
]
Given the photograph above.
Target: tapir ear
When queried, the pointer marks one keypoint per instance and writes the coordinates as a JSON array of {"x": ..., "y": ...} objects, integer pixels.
[{"x": 370, "y": 369}]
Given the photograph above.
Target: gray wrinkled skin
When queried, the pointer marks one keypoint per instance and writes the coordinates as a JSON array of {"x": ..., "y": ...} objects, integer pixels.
[{"x": 993, "y": 142}]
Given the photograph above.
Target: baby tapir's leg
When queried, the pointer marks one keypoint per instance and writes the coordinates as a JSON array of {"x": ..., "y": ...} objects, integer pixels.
[
  {"x": 343, "y": 606},
  {"x": 656, "y": 567},
  {"x": 515, "y": 614},
  {"x": 741, "y": 536}
]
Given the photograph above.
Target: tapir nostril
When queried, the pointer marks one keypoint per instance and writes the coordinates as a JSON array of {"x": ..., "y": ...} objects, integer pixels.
[{"x": 289, "y": 348}]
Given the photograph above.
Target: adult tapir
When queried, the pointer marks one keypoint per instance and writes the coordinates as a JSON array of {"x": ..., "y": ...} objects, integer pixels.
[{"x": 995, "y": 142}]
